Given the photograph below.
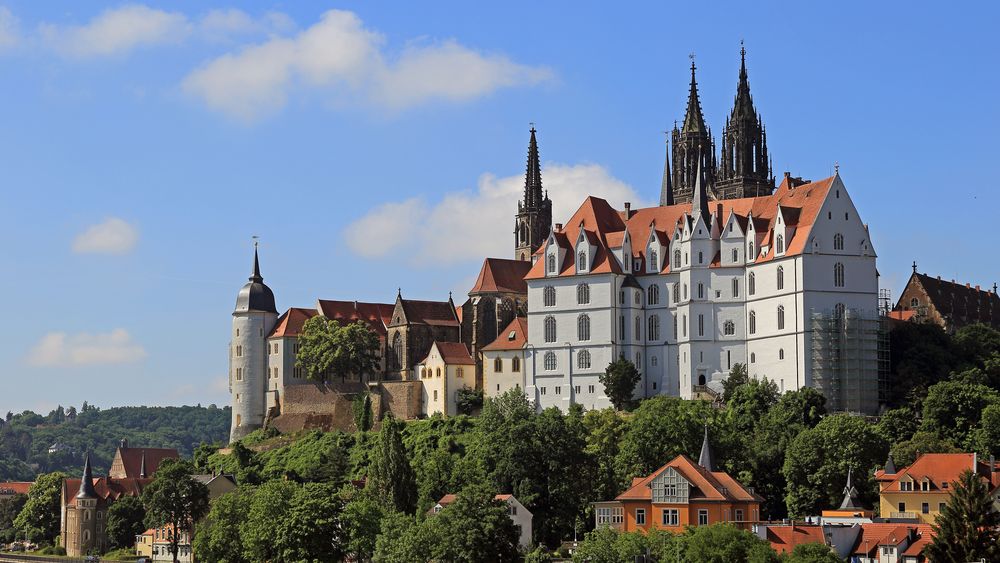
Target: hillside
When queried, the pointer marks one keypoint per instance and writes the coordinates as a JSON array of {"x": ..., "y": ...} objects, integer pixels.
[{"x": 31, "y": 443}]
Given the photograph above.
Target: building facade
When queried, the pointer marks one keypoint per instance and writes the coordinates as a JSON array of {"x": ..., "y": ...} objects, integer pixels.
[
  {"x": 947, "y": 304},
  {"x": 447, "y": 369},
  {"x": 503, "y": 359},
  {"x": 921, "y": 491}
]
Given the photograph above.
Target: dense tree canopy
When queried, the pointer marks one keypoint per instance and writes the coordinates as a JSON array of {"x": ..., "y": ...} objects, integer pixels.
[
  {"x": 327, "y": 348},
  {"x": 619, "y": 380},
  {"x": 39, "y": 519},
  {"x": 126, "y": 518},
  {"x": 175, "y": 499}
]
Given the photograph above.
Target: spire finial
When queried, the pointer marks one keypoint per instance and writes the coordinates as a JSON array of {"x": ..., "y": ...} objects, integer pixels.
[
  {"x": 256, "y": 262},
  {"x": 533, "y": 175},
  {"x": 705, "y": 458},
  {"x": 914, "y": 266},
  {"x": 850, "y": 495},
  {"x": 666, "y": 187},
  {"x": 836, "y": 168},
  {"x": 87, "y": 481}
]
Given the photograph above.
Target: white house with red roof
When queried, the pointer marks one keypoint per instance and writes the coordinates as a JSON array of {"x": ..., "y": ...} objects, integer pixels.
[
  {"x": 504, "y": 358},
  {"x": 447, "y": 369},
  {"x": 785, "y": 283}
]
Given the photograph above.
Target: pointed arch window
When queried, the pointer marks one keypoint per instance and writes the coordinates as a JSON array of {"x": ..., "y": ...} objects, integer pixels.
[
  {"x": 752, "y": 283},
  {"x": 701, "y": 290},
  {"x": 550, "y": 329},
  {"x": 638, "y": 329},
  {"x": 781, "y": 317},
  {"x": 750, "y": 254},
  {"x": 677, "y": 293},
  {"x": 838, "y": 275},
  {"x": 583, "y": 328},
  {"x": 549, "y": 296},
  {"x": 677, "y": 259},
  {"x": 582, "y": 294},
  {"x": 653, "y": 331},
  {"x": 637, "y": 298},
  {"x": 729, "y": 328},
  {"x": 653, "y": 294},
  {"x": 736, "y": 251},
  {"x": 675, "y": 328},
  {"x": 781, "y": 277},
  {"x": 781, "y": 244},
  {"x": 736, "y": 287},
  {"x": 552, "y": 263},
  {"x": 654, "y": 260},
  {"x": 583, "y": 359},
  {"x": 581, "y": 261},
  {"x": 515, "y": 364},
  {"x": 753, "y": 322},
  {"x": 838, "y": 241},
  {"x": 397, "y": 351},
  {"x": 550, "y": 361},
  {"x": 498, "y": 365}
]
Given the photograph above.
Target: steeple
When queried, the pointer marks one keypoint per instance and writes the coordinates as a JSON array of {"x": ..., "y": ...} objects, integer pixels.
[
  {"x": 255, "y": 295},
  {"x": 705, "y": 458},
  {"x": 87, "y": 482},
  {"x": 666, "y": 188},
  {"x": 745, "y": 169},
  {"x": 256, "y": 277},
  {"x": 691, "y": 146},
  {"x": 694, "y": 121},
  {"x": 534, "y": 213},
  {"x": 890, "y": 466},
  {"x": 699, "y": 203},
  {"x": 850, "y": 501}
]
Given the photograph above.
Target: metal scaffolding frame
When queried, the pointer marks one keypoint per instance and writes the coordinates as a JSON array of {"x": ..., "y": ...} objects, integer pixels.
[{"x": 850, "y": 359}]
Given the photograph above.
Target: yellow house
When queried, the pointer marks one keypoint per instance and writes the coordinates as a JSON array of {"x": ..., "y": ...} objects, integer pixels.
[
  {"x": 447, "y": 368},
  {"x": 920, "y": 491}
]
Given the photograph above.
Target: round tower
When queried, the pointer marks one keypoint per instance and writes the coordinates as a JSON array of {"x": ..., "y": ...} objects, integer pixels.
[
  {"x": 253, "y": 319},
  {"x": 81, "y": 526}
]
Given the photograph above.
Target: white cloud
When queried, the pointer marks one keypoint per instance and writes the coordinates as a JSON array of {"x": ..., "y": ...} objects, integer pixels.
[
  {"x": 10, "y": 34},
  {"x": 476, "y": 224},
  {"x": 58, "y": 349},
  {"x": 345, "y": 60},
  {"x": 221, "y": 25},
  {"x": 117, "y": 31},
  {"x": 113, "y": 236}
]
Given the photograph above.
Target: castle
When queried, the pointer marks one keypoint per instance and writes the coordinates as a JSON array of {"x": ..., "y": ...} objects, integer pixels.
[{"x": 727, "y": 269}]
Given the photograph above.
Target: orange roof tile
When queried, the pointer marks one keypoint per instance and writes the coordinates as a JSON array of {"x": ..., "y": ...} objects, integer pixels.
[
  {"x": 709, "y": 486},
  {"x": 938, "y": 469},
  {"x": 375, "y": 315},
  {"x": 134, "y": 458},
  {"x": 512, "y": 337},
  {"x": 291, "y": 321},
  {"x": 452, "y": 353},
  {"x": 15, "y": 487},
  {"x": 501, "y": 275},
  {"x": 874, "y": 535},
  {"x": 783, "y": 539}
]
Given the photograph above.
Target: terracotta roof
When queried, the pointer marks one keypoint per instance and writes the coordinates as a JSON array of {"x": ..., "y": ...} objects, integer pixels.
[
  {"x": 874, "y": 535},
  {"x": 440, "y": 313},
  {"x": 902, "y": 315},
  {"x": 106, "y": 488},
  {"x": 375, "y": 315},
  {"x": 916, "y": 548},
  {"x": 134, "y": 458},
  {"x": 290, "y": 322},
  {"x": 800, "y": 204},
  {"x": 452, "y": 353},
  {"x": 512, "y": 337},
  {"x": 708, "y": 486},
  {"x": 15, "y": 487},
  {"x": 936, "y": 468},
  {"x": 501, "y": 275},
  {"x": 784, "y": 538},
  {"x": 450, "y": 498}
]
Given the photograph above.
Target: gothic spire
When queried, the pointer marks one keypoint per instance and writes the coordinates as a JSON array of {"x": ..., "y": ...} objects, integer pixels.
[
  {"x": 87, "y": 482},
  {"x": 533, "y": 177},
  {"x": 666, "y": 188},
  {"x": 699, "y": 205},
  {"x": 256, "y": 277},
  {"x": 744, "y": 103},
  {"x": 705, "y": 458},
  {"x": 850, "y": 495},
  {"x": 694, "y": 121},
  {"x": 744, "y": 170}
]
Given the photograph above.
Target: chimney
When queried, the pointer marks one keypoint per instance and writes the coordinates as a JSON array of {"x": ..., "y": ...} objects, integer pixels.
[
  {"x": 558, "y": 227},
  {"x": 788, "y": 178},
  {"x": 967, "y": 286},
  {"x": 628, "y": 210},
  {"x": 978, "y": 288}
]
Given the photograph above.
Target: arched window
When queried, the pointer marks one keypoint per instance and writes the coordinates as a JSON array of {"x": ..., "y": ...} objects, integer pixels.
[
  {"x": 781, "y": 353},
  {"x": 677, "y": 293},
  {"x": 838, "y": 241},
  {"x": 637, "y": 298},
  {"x": 736, "y": 287},
  {"x": 459, "y": 372},
  {"x": 550, "y": 329},
  {"x": 781, "y": 317},
  {"x": 397, "y": 351},
  {"x": 654, "y": 260},
  {"x": 750, "y": 254},
  {"x": 581, "y": 261},
  {"x": 701, "y": 290},
  {"x": 701, "y": 257},
  {"x": 638, "y": 329},
  {"x": 582, "y": 294},
  {"x": 753, "y": 358},
  {"x": 423, "y": 373},
  {"x": 736, "y": 253},
  {"x": 638, "y": 360},
  {"x": 838, "y": 275},
  {"x": 583, "y": 359},
  {"x": 677, "y": 259},
  {"x": 653, "y": 332},
  {"x": 552, "y": 263},
  {"x": 549, "y": 296},
  {"x": 652, "y": 362},
  {"x": 515, "y": 364},
  {"x": 583, "y": 328},
  {"x": 684, "y": 325},
  {"x": 437, "y": 372},
  {"x": 781, "y": 277},
  {"x": 685, "y": 291},
  {"x": 498, "y": 365},
  {"x": 914, "y": 303},
  {"x": 550, "y": 361},
  {"x": 701, "y": 379},
  {"x": 729, "y": 328},
  {"x": 752, "y": 283},
  {"x": 781, "y": 244},
  {"x": 653, "y": 294},
  {"x": 524, "y": 232},
  {"x": 753, "y": 322}
]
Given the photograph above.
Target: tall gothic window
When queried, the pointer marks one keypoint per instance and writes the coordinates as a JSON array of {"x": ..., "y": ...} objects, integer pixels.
[
  {"x": 515, "y": 364},
  {"x": 675, "y": 328},
  {"x": 583, "y": 328},
  {"x": 701, "y": 291},
  {"x": 729, "y": 328},
  {"x": 397, "y": 351},
  {"x": 677, "y": 293},
  {"x": 781, "y": 244},
  {"x": 701, "y": 325},
  {"x": 581, "y": 261},
  {"x": 550, "y": 329},
  {"x": 583, "y": 359},
  {"x": 582, "y": 294},
  {"x": 550, "y": 361},
  {"x": 654, "y": 260},
  {"x": 552, "y": 263},
  {"x": 781, "y": 317},
  {"x": 736, "y": 287},
  {"x": 752, "y": 283},
  {"x": 637, "y": 298},
  {"x": 653, "y": 332},
  {"x": 838, "y": 275},
  {"x": 498, "y": 365},
  {"x": 781, "y": 277},
  {"x": 638, "y": 329},
  {"x": 838, "y": 241},
  {"x": 653, "y": 294},
  {"x": 750, "y": 254},
  {"x": 677, "y": 259},
  {"x": 753, "y": 322},
  {"x": 736, "y": 253},
  {"x": 549, "y": 296}
]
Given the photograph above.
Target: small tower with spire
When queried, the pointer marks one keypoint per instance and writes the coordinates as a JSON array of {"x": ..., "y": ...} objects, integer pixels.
[
  {"x": 253, "y": 318},
  {"x": 692, "y": 146},
  {"x": 705, "y": 457},
  {"x": 745, "y": 167},
  {"x": 534, "y": 213},
  {"x": 82, "y": 524}
]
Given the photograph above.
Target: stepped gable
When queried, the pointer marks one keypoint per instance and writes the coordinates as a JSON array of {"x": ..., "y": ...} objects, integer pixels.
[
  {"x": 499, "y": 275},
  {"x": 799, "y": 202},
  {"x": 512, "y": 337}
]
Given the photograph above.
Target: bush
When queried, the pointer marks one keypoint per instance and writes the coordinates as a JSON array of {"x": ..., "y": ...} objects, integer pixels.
[{"x": 123, "y": 554}]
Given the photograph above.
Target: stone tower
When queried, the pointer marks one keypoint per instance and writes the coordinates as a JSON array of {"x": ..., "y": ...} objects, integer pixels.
[
  {"x": 534, "y": 215},
  {"x": 83, "y": 530},
  {"x": 745, "y": 168},
  {"x": 692, "y": 147},
  {"x": 253, "y": 319}
]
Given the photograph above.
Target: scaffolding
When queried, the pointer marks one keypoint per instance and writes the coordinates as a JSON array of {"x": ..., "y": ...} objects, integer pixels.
[{"x": 850, "y": 359}]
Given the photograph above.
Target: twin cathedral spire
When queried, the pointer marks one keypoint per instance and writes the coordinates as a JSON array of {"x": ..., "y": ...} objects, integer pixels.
[
  {"x": 534, "y": 213},
  {"x": 744, "y": 169}
]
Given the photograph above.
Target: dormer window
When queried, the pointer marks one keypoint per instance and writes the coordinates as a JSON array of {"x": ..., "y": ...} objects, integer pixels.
[
  {"x": 552, "y": 263},
  {"x": 654, "y": 260},
  {"x": 781, "y": 244},
  {"x": 581, "y": 261}
]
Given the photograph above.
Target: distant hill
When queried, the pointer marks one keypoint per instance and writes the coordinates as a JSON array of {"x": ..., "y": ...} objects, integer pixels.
[{"x": 31, "y": 443}]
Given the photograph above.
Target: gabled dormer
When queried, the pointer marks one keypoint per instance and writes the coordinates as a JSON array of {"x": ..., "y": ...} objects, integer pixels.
[
  {"x": 626, "y": 252},
  {"x": 586, "y": 249},
  {"x": 555, "y": 251},
  {"x": 786, "y": 221},
  {"x": 656, "y": 247},
  {"x": 670, "y": 487},
  {"x": 752, "y": 243},
  {"x": 732, "y": 235}
]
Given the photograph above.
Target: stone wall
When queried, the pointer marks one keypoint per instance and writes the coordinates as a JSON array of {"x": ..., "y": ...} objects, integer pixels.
[
  {"x": 328, "y": 407},
  {"x": 402, "y": 398}
]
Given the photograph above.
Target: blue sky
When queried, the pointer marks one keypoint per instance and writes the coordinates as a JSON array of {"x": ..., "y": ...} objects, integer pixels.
[{"x": 378, "y": 145}]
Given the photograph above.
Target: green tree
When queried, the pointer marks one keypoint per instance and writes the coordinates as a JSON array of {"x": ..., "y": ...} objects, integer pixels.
[
  {"x": 812, "y": 553},
  {"x": 9, "y": 509},
  {"x": 403, "y": 540},
  {"x": 921, "y": 354},
  {"x": 905, "y": 453},
  {"x": 605, "y": 431},
  {"x": 326, "y": 347},
  {"x": 724, "y": 543},
  {"x": 267, "y": 505},
  {"x": 898, "y": 425},
  {"x": 218, "y": 539},
  {"x": 362, "y": 407},
  {"x": 598, "y": 546},
  {"x": 476, "y": 527},
  {"x": 175, "y": 499},
  {"x": 663, "y": 428},
  {"x": 390, "y": 473},
  {"x": 39, "y": 519},
  {"x": 738, "y": 376},
  {"x": 311, "y": 530},
  {"x": 818, "y": 459},
  {"x": 952, "y": 409},
  {"x": 986, "y": 438},
  {"x": 619, "y": 380},
  {"x": 967, "y": 528},
  {"x": 362, "y": 521},
  {"x": 468, "y": 401},
  {"x": 125, "y": 520},
  {"x": 976, "y": 343}
]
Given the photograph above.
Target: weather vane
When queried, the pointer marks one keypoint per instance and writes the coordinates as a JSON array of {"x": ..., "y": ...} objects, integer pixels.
[
  {"x": 256, "y": 240},
  {"x": 836, "y": 167}
]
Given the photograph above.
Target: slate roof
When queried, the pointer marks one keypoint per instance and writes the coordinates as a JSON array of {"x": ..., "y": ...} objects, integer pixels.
[
  {"x": 440, "y": 313},
  {"x": 961, "y": 302}
]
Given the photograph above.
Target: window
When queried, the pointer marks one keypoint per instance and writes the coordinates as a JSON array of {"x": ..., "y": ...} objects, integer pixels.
[
  {"x": 638, "y": 329},
  {"x": 781, "y": 317},
  {"x": 652, "y": 362},
  {"x": 677, "y": 262},
  {"x": 583, "y": 328},
  {"x": 684, "y": 325},
  {"x": 640, "y": 516},
  {"x": 781, "y": 353},
  {"x": 941, "y": 506},
  {"x": 925, "y": 508},
  {"x": 239, "y": 374},
  {"x": 781, "y": 277},
  {"x": 838, "y": 275},
  {"x": 581, "y": 261},
  {"x": 685, "y": 286},
  {"x": 685, "y": 258},
  {"x": 736, "y": 251},
  {"x": 550, "y": 361},
  {"x": 437, "y": 372},
  {"x": 638, "y": 360},
  {"x": 846, "y": 215},
  {"x": 729, "y": 328},
  {"x": 677, "y": 293},
  {"x": 515, "y": 364},
  {"x": 550, "y": 329},
  {"x": 753, "y": 358},
  {"x": 753, "y": 322},
  {"x": 739, "y": 515},
  {"x": 606, "y": 516},
  {"x": 671, "y": 517},
  {"x": 653, "y": 294},
  {"x": 701, "y": 325},
  {"x": 498, "y": 365},
  {"x": 702, "y": 517},
  {"x": 781, "y": 244},
  {"x": 590, "y": 389},
  {"x": 435, "y": 395},
  {"x": 653, "y": 331},
  {"x": 558, "y": 390},
  {"x": 239, "y": 420},
  {"x": 576, "y": 389},
  {"x": 736, "y": 287},
  {"x": 901, "y": 506},
  {"x": 541, "y": 390},
  {"x": 459, "y": 372},
  {"x": 750, "y": 255},
  {"x": 552, "y": 263},
  {"x": 914, "y": 303},
  {"x": 621, "y": 297},
  {"x": 582, "y": 294},
  {"x": 621, "y": 327},
  {"x": 637, "y": 298},
  {"x": 701, "y": 291},
  {"x": 654, "y": 260},
  {"x": 751, "y": 283},
  {"x": 838, "y": 241},
  {"x": 549, "y": 296},
  {"x": 237, "y": 332},
  {"x": 239, "y": 351},
  {"x": 701, "y": 257},
  {"x": 675, "y": 328}
]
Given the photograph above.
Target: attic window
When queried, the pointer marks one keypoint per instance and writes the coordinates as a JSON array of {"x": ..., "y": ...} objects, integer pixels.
[{"x": 512, "y": 335}]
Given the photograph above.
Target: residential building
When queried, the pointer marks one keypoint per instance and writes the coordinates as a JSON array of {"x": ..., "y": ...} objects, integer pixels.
[
  {"x": 155, "y": 543},
  {"x": 891, "y": 543},
  {"x": 10, "y": 489},
  {"x": 679, "y": 494},
  {"x": 503, "y": 359},
  {"x": 447, "y": 369},
  {"x": 784, "y": 538},
  {"x": 949, "y": 304},
  {"x": 520, "y": 515},
  {"x": 920, "y": 491}
]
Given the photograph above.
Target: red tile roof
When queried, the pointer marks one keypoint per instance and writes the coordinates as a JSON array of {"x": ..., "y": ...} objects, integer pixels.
[
  {"x": 291, "y": 321},
  {"x": 15, "y": 487},
  {"x": 708, "y": 486},
  {"x": 784, "y": 538},
  {"x": 512, "y": 337},
  {"x": 501, "y": 275},
  {"x": 874, "y": 535},
  {"x": 936, "y": 468},
  {"x": 436, "y": 313},
  {"x": 107, "y": 488},
  {"x": 375, "y": 315},
  {"x": 133, "y": 459},
  {"x": 452, "y": 353}
]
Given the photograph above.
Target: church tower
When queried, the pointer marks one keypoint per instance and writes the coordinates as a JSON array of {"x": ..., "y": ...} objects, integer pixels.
[
  {"x": 693, "y": 147},
  {"x": 534, "y": 215},
  {"x": 253, "y": 319},
  {"x": 745, "y": 168}
]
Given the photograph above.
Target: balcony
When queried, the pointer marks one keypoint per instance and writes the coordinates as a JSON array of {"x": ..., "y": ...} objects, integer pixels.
[{"x": 903, "y": 515}]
